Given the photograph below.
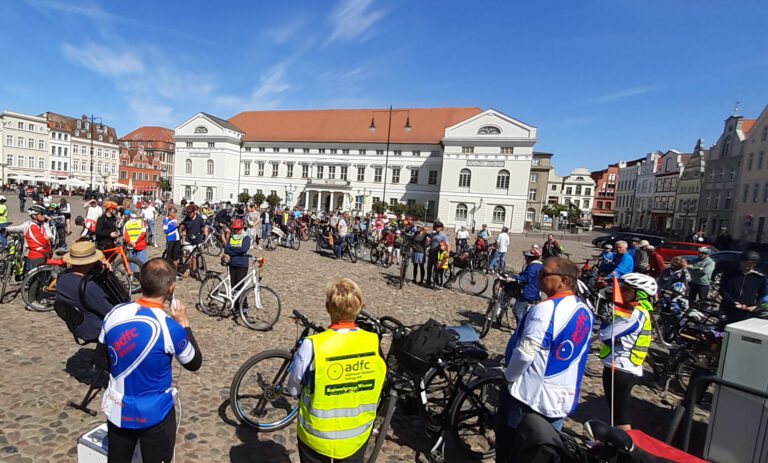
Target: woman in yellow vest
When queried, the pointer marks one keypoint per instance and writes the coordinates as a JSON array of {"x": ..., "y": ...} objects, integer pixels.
[
  {"x": 339, "y": 374},
  {"x": 630, "y": 331}
]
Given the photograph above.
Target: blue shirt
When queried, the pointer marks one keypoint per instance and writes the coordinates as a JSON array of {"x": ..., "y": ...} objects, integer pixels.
[
  {"x": 140, "y": 342},
  {"x": 530, "y": 277},
  {"x": 171, "y": 229},
  {"x": 436, "y": 239},
  {"x": 625, "y": 264}
]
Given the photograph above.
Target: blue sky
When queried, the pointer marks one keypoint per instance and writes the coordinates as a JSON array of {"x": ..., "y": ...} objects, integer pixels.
[{"x": 602, "y": 80}]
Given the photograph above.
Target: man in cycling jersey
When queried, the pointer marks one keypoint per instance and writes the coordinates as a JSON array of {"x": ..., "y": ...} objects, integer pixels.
[
  {"x": 546, "y": 355},
  {"x": 141, "y": 339}
]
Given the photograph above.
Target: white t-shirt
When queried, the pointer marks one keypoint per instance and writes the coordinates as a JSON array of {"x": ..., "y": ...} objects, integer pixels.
[
  {"x": 94, "y": 212},
  {"x": 502, "y": 241},
  {"x": 462, "y": 234},
  {"x": 148, "y": 213}
]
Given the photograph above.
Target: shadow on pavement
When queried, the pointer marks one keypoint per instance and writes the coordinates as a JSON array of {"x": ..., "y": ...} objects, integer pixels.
[
  {"x": 81, "y": 365},
  {"x": 256, "y": 449}
]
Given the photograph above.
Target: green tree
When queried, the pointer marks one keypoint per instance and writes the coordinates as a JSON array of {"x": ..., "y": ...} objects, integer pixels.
[
  {"x": 379, "y": 207},
  {"x": 258, "y": 198},
  {"x": 273, "y": 199},
  {"x": 553, "y": 211},
  {"x": 416, "y": 210},
  {"x": 398, "y": 208},
  {"x": 244, "y": 197},
  {"x": 164, "y": 184}
]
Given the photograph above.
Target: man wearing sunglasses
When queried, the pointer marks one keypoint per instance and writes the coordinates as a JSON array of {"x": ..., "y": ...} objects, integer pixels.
[{"x": 546, "y": 355}]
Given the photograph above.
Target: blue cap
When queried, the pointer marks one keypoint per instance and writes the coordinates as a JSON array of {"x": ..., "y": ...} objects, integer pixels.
[{"x": 127, "y": 212}]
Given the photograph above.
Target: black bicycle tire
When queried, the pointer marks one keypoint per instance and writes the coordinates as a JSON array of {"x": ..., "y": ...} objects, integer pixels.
[
  {"x": 237, "y": 380},
  {"x": 318, "y": 246},
  {"x": 7, "y": 265},
  {"x": 201, "y": 269},
  {"x": 403, "y": 272},
  {"x": 352, "y": 253},
  {"x": 381, "y": 432},
  {"x": 427, "y": 390},
  {"x": 270, "y": 244},
  {"x": 118, "y": 268},
  {"x": 374, "y": 256},
  {"x": 295, "y": 242},
  {"x": 25, "y": 284},
  {"x": 135, "y": 283},
  {"x": 472, "y": 272},
  {"x": 493, "y": 305},
  {"x": 241, "y": 308},
  {"x": 202, "y": 305},
  {"x": 215, "y": 247},
  {"x": 456, "y": 408}
]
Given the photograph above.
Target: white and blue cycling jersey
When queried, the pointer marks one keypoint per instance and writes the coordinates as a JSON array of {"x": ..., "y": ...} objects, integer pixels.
[
  {"x": 140, "y": 340},
  {"x": 171, "y": 229},
  {"x": 545, "y": 357}
]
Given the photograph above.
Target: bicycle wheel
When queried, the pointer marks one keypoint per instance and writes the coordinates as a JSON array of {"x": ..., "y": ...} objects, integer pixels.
[
  {"x": 6, "y": 264},
  {"x": 260, "y": 309},
  {"x": 270, "y": 244},
  {"x": 212, "y": 296},
  {"x": 39, "y": 287},
  {"x": 352, "y": 253},
  {"x": 214, "y": 247},
  {"x": 473, "y": 414},
  {"x": 201, "y": 267},
  {"x": 491, "y": 315},
  {"x": 403, "y": 273},
  {"x": 135, "y": 283},
  {"x": 118, "y": 268},
  {"x": 374, "y": 256},
  {"x": 295, "y": 242},
  {"x": 381, "y": 424},
  {"x": 594, "y": 366},
  {"x": 473, "y": 281},
  {"x": 304, "y": 236},
  {"x": 257, "y": 395},
  {"x": 436, "y": 388}
]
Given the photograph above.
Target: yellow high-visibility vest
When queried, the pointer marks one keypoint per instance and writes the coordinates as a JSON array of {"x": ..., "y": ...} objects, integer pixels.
[
  {"x": 336, "y": 417},
  {"x": 640, "y": 349}
]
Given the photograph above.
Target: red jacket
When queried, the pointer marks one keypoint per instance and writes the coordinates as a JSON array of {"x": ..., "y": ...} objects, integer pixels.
[
  {"x": 655, "y": 264},
  {"x": 37, "y": 240}
]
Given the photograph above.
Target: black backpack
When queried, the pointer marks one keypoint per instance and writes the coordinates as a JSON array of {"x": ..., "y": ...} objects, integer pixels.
[
  {"x": 108, "y": 282},
  {"x": 418, "y": 350}
]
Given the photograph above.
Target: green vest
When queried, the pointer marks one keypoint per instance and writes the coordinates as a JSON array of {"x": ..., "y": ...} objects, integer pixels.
[
  {"x": 640, "y": 349},
  {"x": 336, "y": 418},
  {"x": 236, "y": 242},
  {"x": 3, "y": 213}
]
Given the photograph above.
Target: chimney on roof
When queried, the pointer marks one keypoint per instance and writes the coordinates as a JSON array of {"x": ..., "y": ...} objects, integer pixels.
[{"x": 85, "y": 118}]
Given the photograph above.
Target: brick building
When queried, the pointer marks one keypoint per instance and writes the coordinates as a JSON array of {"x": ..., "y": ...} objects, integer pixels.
[
  {"x": 605, "y": 196},
  {"x": 146, "y": 156}
]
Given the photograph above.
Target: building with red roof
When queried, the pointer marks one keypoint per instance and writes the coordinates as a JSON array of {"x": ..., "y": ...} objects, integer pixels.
[{"x": 146, "y": 157}]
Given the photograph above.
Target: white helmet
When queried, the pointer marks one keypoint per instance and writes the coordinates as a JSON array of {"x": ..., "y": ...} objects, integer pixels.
[
  {"x": 3, "y": 198},
  {"x": 642, "y": 282}
]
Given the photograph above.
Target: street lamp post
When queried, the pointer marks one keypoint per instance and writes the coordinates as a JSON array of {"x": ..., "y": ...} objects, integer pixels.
[
  {"x": 372, "y": 128},
  {"x": 91, "y": 131}
]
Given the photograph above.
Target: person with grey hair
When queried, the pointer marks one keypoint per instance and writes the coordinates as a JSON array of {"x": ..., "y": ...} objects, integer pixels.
[{"x": 623, "y": 262}]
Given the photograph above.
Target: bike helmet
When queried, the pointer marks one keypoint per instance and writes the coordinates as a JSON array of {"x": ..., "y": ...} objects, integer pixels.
[
  {"x": 237, "y": 224},
  {"x": 53, "y": 206},
  {"x": 3, "y": 198},
  {"x": 750, "y": 256},
  {"x": 704, "y": 250},
  {"x": 608, "y": 247},
  {"x": 36, "y": 209},
  {"x": 678, "y": 287},
  {"x": 127, "y": 212},
  {"x": 642, "y": 282},
  {"x": 110, "y": 205}
]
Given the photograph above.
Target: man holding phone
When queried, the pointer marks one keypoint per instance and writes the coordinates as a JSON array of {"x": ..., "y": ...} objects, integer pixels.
[{"x": 141, "y": 339}]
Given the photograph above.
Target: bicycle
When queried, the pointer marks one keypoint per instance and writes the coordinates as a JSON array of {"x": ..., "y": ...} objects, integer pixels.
[
  {"x": 472, "y": 280},
  {"x": 192, "y": 253},
  {"x": 405, "y": 260},
  {"x": 458, "y": 396},
  {"x": 121, "y": 264},
  {"x": 12, "y": 261},
  {"x": 347, "y": 248},
  {"x": 38, "y": 289},
  {"x": 218, "y": 298},
  {"x": 505, "y": 293},
  {"x": 379, "y": 253},
  {"x": 275, "y": 238},
  {"x": 212, "y": 245}
]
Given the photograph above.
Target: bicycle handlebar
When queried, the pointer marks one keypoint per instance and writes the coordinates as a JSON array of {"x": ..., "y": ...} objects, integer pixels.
[{"x": 301, "y": 318}]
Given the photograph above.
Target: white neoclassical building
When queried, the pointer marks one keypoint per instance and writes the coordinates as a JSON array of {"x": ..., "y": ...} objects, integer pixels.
[{"x": 464, "y": 164}]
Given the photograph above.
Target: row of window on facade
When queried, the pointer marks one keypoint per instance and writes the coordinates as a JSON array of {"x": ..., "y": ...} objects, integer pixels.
[
  {"x": 22, "y": 126},
  {"x": 569, "y": 190},
  {"x": 21, "y": 140},
  {"x": 499, "y": 213},
  {"x": 666, "y": 184},
  {"x": 149, "y": 143},
  {"x": 137, "y": 176},
  {"x": 62, "y": 166},
  {"x": 581, "y": 204}
]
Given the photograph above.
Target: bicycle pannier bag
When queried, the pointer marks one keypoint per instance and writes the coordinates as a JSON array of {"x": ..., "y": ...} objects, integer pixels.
[{"x": 418, "y": 350}]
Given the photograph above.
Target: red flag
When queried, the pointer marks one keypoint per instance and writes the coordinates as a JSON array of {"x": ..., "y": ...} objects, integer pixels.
[{"x": 618, "y": 301}]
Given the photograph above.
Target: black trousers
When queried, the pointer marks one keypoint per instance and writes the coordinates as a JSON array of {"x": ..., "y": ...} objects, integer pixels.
[
  {"x": 622, "y": 388},
  {"x": 431, "y": 259},
  {"x": 416, "y": 269},
  {"x": 696, "y": 290},
  {"x": 156, "y": 443},
  {"x": 307, "y": 455}
]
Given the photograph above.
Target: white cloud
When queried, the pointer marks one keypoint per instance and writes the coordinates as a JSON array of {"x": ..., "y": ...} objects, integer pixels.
[
  {"x": 150, "y": 112},
  {"x": 621, "y": 94},
  {"x": 104, "y": 60},
  {"x": 282, "y": 34},
  {"x": 266, "y": 95},
  {"x": 351, "y": 19},
  {"x": 88, "y": 9}
]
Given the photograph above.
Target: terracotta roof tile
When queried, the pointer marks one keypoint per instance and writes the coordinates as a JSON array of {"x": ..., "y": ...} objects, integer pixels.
[
  {"x": 150, "y": 132},
  {"x": 746, "y": 125},
  {"x": 351, "y": 125}
]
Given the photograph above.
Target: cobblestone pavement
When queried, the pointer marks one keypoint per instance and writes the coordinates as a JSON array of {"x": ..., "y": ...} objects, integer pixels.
[{"x": 42, "y": 367}]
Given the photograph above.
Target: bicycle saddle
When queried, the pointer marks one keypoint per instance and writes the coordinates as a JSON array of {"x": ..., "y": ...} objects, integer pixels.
[{"x": 607, "y": 434}]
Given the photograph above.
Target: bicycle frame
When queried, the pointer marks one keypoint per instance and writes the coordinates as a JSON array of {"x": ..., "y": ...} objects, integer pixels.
[
  {"x": 110, "y": 253},
  {"x": 233, "y": 293}
]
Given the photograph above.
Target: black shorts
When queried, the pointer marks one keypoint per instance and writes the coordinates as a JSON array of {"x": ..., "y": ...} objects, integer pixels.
[{"x": 173, "y": 250}]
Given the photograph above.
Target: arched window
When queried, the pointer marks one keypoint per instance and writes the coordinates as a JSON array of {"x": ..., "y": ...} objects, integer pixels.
[
  {"x": 209, "y": 165},
  {"x": 188, "y": 166},
  {"x": 502, "y": 179},
  {"x": 187, "y": 191},
  {"x": 499, "y": 214},
  {"x": 465, "y": 178},
  {"x": 461, "y": 211},
  {"x": 209, "y": 193},
  {"x": 488, "y": 130}
]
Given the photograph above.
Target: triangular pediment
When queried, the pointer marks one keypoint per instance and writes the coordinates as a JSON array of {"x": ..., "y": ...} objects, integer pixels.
[
  {"x": 204, "y": 125},
  {"x": 491, "y": 124}
]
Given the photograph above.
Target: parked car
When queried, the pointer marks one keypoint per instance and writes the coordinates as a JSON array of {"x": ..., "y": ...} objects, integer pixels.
[
  {"x": 670, "y": 249},
  {"x": 602, "y": 240}
]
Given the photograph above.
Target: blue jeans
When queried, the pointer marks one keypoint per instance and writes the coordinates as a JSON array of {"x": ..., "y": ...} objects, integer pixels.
[
  {"x": 141, "y": 255},
  {"x": 508, "y": 416},
  {"x": 498, "y": 259},
  {"x": 288, "y": 239},
  {"x": 518, "y": 310},
  {"x": 264, "y": 230},
  {"x": 3, "y": 241},
  {"x": 151, "y": 230},
  {"x": 22, "y": 201},
  {"x": 339, "y": 245}
]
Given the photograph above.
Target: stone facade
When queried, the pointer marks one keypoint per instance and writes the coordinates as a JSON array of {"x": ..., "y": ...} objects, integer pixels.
[
  {"x": 644, "y": 191},
  {"x": 541, "y": 166},
  {"x": 751, "y": 210},
  {"x": 24, "y": 148},
  {"x": 625, "y": 193},
  {"x": 671, "y": 166},
  {"x": 688, "y": 192}
]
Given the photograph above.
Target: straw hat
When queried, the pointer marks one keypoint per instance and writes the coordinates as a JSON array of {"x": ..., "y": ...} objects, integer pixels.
[{"x": 83, "y": 253}]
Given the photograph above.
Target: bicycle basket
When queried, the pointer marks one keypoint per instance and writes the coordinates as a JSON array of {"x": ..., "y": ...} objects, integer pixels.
[
  {"x": 461, "y": 260},
  {"x": 417, "y": 351}
]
